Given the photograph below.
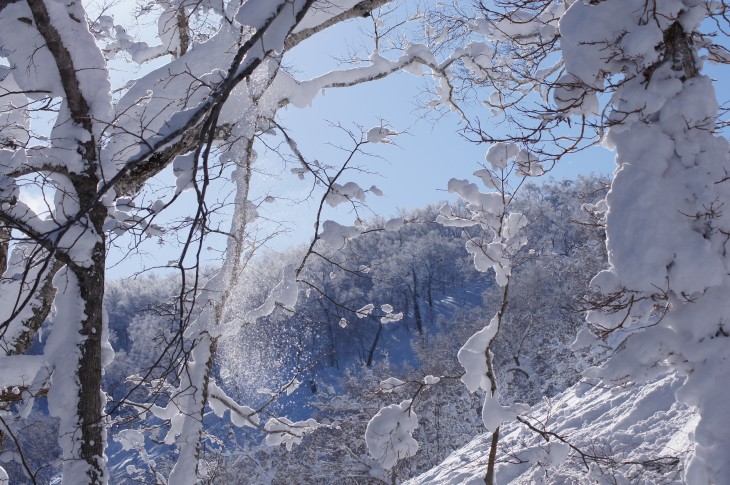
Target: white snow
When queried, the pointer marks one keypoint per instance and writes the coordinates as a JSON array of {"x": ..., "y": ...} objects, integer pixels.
[
  {"x": 389, "y": 434},
  {"x": 365, "y": 311},
  {"x": 391, "y": 317},
  {"x": 500, "y": 153},
  {"x": 336, "y": 235},
  {"x": 240, "y": 415},
  {"x": 62, "y": 352},
  {"x": 391, "y": 383},
  {"x": 339, "y": 194},
  {"x": 380, "y": 134},
  {"x": 628, "y": 424},
  {"x": 473, "y": 357},
  {"x": 283, "y": 431}
]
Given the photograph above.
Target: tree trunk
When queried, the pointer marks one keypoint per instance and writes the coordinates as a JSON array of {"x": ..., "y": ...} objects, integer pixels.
[
  {"x": 416, "y": 308},
  {"x": 91, "y": 402},
  {"x": 90, "y": 373},
  {"x": 429, "y": 294},
  {"x": 489, "y": 477},
  {"x": 417, "y": 314},
  {"x": 90, "y": 278},
  {"x": 406, "y": 303},
  {"x": 4, "y": 246},
  {"x": 332, "y": 346},
  {"x": 371, "y": 354}
]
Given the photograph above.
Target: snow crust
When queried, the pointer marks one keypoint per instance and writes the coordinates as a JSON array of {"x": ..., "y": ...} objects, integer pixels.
[
  {"x": 664, "y": 235},
  {"x": 431, "y": 380},
  {"x": 390, "y": 384},
  {"x": 365, "y": 311},
  {"x": 380, "y": 134},
  {"x": 339, "y": 194},
  {"x": 336, "y": 235},
  {"x": 473, "y": 357},
  {"x": 389, "y": 434},
  {"x": 629, "y": 424},
  {"x": 283, "y": 431},
  {"x": 240, "y": 415}
]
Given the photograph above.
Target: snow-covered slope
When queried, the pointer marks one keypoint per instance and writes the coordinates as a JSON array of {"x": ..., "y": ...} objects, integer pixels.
[{"x": 636, "y": 435}]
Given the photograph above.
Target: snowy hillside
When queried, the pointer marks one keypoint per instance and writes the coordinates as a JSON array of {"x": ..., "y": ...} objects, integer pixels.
[
  {"x": 341, "y": 358},
  {"x": 636, "y": 434}
]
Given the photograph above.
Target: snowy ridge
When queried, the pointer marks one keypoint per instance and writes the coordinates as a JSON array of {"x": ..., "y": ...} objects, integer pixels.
[{"x": 635, "y": 434}]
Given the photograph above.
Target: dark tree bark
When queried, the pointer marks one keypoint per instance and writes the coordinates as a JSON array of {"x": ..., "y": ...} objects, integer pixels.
[
  {"x": 90, "y": 279},
  {"x": 371, "y": 353},
  {"x": 4, "y": 246},
  {"x": 416, "y": 308}
]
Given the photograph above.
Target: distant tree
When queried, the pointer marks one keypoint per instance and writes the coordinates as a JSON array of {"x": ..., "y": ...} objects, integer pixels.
[
  {"x": 564, "y": 251},
  {"x": 631, "y": 75},
  {"x": 199, "y": 115},
  {"x": 562, "y": 76}
]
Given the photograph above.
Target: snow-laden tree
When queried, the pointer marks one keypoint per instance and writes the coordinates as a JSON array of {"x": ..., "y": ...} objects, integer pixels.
[
  {"x": 667, "y": 282},
  {"x": 629, "y": 75},
  {"x": 85, "y": 150},
  {"x": 562, "y": 75}
]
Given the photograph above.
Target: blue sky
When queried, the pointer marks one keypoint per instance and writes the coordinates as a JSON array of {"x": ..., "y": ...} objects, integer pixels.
[{"x": 412, "y": 172}]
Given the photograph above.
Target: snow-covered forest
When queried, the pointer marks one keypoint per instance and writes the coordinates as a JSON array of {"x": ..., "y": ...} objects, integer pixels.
[{"x": 526, "y": 330}]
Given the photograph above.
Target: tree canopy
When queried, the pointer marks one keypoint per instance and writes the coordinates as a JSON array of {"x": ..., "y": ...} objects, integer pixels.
[{"x": 558, "y": 76}]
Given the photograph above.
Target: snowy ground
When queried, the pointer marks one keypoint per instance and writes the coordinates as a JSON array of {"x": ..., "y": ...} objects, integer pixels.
[{"x": 636, "y": 435}]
